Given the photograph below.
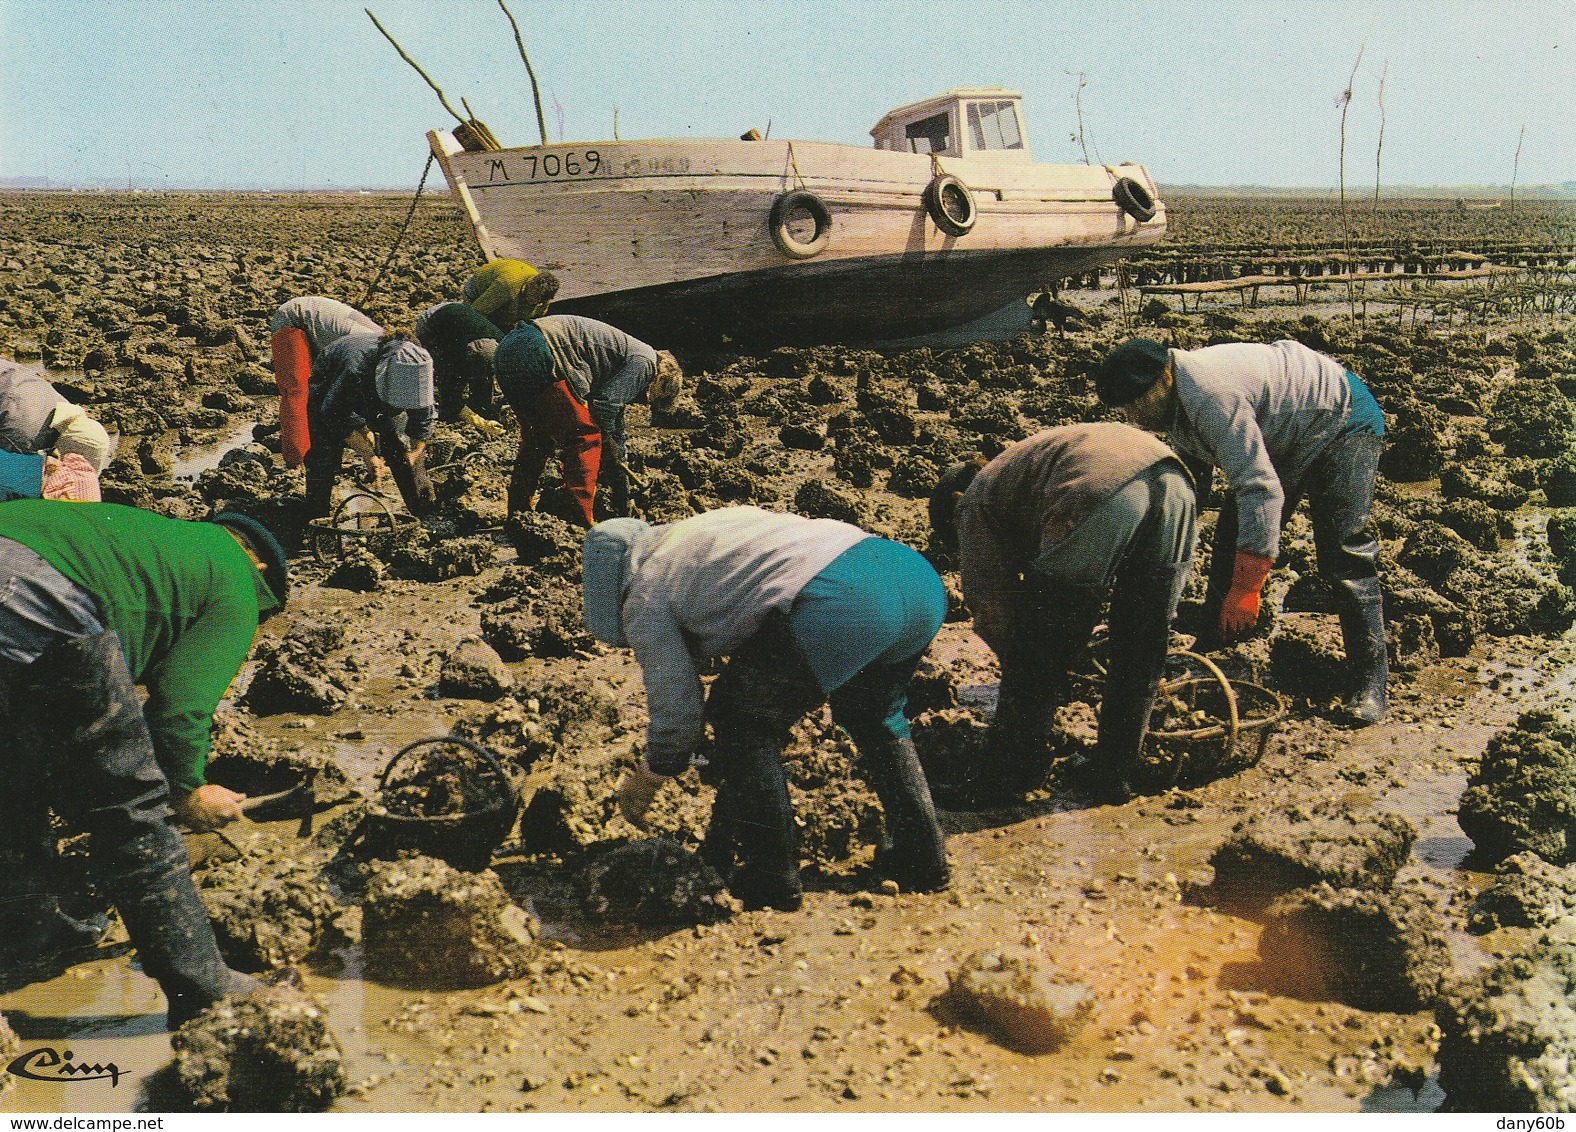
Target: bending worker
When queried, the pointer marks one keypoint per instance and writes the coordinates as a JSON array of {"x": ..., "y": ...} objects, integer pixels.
[
  {"x": 1282, "y": 422},
  {"x": 36, "y": 417},
  {"x": 569, "y": 380},
  {"x": 96, "y": 598},
  {"x": 1045, "y": 533},
  {"x": 804, "y": 609},
  {"x": 302, "y": 329},
  {"x": 36, "y": 476},
  {"x": 509, "y": 290},
  {"x": 462, "y": 343},
  {"x": 365, "y": 391}
]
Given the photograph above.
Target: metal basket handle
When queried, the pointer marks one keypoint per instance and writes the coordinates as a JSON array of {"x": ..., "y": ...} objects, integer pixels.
[
  {"x": 1233, "y": 720},
  {"x": 487, "y": 757}
]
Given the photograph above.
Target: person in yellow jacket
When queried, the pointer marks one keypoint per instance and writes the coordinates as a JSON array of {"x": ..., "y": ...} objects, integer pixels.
[{"x": 509, "y": 290}]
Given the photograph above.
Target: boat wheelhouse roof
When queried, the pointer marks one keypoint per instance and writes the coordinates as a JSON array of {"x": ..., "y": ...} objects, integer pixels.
[{"x": 972, "y": 120}]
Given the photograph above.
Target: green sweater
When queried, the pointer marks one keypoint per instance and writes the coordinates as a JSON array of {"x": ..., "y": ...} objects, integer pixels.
[{"x": 184, "y": 598}]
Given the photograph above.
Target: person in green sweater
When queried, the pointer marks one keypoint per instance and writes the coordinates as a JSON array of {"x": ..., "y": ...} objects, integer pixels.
[{"x": 95, "y": 599}]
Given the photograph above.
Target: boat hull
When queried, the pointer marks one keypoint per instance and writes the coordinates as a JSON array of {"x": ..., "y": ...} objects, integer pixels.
[{"x": 673, "y": 240}]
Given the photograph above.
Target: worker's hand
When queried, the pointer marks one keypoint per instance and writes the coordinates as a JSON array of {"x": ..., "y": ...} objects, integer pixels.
[
  {"x": 636, "y": 792},
  {"x": 425, "y": 490},
  {"x": 492, "y": 430},
  {"x": 208, "y": 807},
  {"x": 1240, "y": 611},
  {"x": 378, "y": 469}
]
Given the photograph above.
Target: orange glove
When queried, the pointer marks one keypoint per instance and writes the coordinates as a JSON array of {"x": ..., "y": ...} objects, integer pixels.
[{"x": 1241, "y": 607}]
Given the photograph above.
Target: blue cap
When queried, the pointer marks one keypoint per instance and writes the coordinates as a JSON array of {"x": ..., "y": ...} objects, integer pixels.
[
  {"x": 265, "y": 544},
  {"x": 605, "y": 564}
]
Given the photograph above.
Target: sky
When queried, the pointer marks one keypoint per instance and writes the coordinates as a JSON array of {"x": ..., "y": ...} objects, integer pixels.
[{"x": 291, "y": 94}]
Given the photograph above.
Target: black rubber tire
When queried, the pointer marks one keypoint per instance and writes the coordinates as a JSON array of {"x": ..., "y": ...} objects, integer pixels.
[
  {"x": 800, "y": 200},
  {"x": 1133, "y": 199},
  {"x": 950, "y": 205}
]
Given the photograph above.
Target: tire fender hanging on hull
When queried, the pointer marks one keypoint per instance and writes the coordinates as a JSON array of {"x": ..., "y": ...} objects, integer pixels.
[
  {"x": 783, "y": 210},
  {"x": 950, "y": 205}
]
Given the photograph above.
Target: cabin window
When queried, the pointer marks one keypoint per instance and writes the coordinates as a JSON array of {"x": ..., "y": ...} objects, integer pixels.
[
  {"x": 994, "y": 125},
  {"x": 932, "y": 135}
]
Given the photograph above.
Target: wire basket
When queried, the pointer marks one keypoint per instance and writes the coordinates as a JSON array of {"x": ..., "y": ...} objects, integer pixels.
[
  {"x": 360, "y": 519},
  {"x": 446, "y": 797},
  {"x": 1205, "y": 727}
]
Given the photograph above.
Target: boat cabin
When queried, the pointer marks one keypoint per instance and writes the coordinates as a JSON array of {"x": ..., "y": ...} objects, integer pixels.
[{"x": 973, "y": 121}]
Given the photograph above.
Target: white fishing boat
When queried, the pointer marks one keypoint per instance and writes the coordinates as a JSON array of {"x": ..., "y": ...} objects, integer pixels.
[{"x": 946, "y": 219}]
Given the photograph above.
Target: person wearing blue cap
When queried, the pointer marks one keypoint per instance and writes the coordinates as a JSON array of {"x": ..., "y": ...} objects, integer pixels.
[
  {"x": 804, "y": 610},
  {"x": 95, "y": 599},
  {"x": 366, "y": 390},
  {"x": 1282, "y": 422}
]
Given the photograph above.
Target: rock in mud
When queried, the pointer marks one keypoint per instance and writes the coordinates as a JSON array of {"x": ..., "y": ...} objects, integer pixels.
[
  {"x": 358, "y": 570},
  {"x": 1508, "y": 1039},
  {"x": 1306, "y": 658},
  {"x": 291, "y": 676},
  {"x": 439, "y": 561},
  {"x": 1529, "y": 893},
  {"x": 268, "y": 908},
  {"x": 1371, "y": 950},
  {"x": 474, "y": 671},
  {"x": 656, "y": 882},
  {"x": 1523, "y": 795},
  {"x": 950, "y": 743},
  {"x": 542, "y": 622},
  {"x": 425, "y": 924},
  {"x": 545, "y": 542},
  {"x": 1025, "y": 1006},
  {"x": 1274, "y": 853},
  {"x": 267, "y": 1052}
]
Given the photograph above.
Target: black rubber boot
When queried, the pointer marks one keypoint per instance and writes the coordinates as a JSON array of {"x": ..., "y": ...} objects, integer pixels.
[
  {"x": 322, "y": 469},
  {"x": 766, "y": 686},
  {"x": 720, "y": 845},
  {"x": 149, "y": 880},
  {"x": 768, "y": 841},
  {"x": 1141, "y": 611},
  {"x": 916, "y": 851},
  {"x": 83, "y": 703},
  {"x": 1367, "y": 658},
  {"x": 1034, "y": 683}
]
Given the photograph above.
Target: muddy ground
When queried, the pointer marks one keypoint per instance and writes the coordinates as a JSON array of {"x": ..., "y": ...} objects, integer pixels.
[{"x": 609, "y": 972}]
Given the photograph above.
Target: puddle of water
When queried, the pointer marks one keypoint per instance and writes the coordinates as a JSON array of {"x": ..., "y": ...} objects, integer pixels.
[{"x": 195, "y": 459}]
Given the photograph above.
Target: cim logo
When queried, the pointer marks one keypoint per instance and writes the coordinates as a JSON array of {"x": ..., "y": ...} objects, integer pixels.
[{"x": 46, "y": 1064}]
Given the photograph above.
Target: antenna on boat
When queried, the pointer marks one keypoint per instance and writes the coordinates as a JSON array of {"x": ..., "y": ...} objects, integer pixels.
[
  {"x": 472, "y": 133},
  {"x": 536, "y": 93}
]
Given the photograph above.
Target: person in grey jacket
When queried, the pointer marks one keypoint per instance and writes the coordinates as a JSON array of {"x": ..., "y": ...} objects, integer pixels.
[
  {"x": 320, "y": 321},
  {"x": 1282, "y": 422},
  {"x": 609, "y": 370},
  {"x": 1045, "y": 533},
  {"x": 365, "y": 391},
  {"x": 35, "y": 417},
  {"x": 804, "y": 609}
]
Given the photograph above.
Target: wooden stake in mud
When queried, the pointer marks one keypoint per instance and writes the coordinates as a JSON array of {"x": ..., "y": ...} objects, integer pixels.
[{"x": 536, "y": 92}]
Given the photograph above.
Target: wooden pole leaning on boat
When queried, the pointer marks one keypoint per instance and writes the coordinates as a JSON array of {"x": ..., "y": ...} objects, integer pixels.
[
  {"x": 472, "y": 133},
  {"x": 536, "y": 91}
]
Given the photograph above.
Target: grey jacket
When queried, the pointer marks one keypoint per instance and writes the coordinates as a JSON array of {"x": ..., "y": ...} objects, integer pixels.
[
  {"x": 588, "y": 354},
  {"x": 1262, "y": 414},
  {"x": 324, "y": 321},
  {"x": 699, "y": 588},
  {"x": 27, "y": 402}
]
